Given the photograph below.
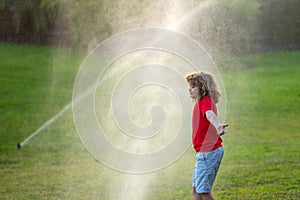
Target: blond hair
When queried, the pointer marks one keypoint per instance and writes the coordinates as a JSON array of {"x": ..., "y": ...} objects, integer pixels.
[{"x": 206, "y": 83}]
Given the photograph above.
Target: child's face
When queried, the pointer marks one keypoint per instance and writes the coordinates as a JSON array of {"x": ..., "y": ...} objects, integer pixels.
[{"x": 194, "y": 92}]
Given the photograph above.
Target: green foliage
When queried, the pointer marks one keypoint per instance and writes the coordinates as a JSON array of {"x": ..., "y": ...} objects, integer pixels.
[
  {"x": 281, "y": 23},
  {"x": 125, "y": 15},
  {"x": 222, "y": 26},
  {"x": 25, "y": 21},
  {"x": 34, "y": 21},
  {"x": 227, "y": 26},
  {"x": 87, "y": 21},
  {"x": 7, "y": 24}
]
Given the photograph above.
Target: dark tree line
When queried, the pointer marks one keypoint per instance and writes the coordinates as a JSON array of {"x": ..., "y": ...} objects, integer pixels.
[
  {"x": 53, "y": 22},
  {"x": 26, "y": 21},
  {"x": 226, "y": 24},
  {"x": 280, "y": 23}
]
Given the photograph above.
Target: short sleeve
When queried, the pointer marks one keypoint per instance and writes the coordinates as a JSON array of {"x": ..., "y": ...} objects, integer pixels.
[{"x": 206, "y": 104}]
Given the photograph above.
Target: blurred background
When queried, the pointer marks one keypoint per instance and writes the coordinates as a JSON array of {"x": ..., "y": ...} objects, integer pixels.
[{"x": 227, "y": 26}]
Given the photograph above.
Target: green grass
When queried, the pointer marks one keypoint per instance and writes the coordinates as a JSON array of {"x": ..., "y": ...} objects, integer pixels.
[{"x": 261, "y": 148}]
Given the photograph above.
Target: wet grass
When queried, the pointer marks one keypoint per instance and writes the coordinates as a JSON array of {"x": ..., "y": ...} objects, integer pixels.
[{"x": 261, "y": 148}]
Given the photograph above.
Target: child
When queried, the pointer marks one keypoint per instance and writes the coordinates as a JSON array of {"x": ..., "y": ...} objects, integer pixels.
[{"x": 206, "y": 133}]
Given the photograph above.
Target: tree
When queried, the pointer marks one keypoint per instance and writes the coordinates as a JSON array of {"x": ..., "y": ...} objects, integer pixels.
[
  {"x": 26, "y": 21},
  {"x": 48, "y": 21},
  {"x": 227, "y": 26},
  {"x": 7, "y": 25},
  {"x": 86, "y": 21},
  {"x": 281, "y": 23}
]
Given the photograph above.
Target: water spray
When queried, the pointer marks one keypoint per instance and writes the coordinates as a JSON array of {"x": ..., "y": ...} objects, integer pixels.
[
  {"x": 92, "y": 131},
  {"x": 47, "y": 123},
  {"x": 132, "y": 160},
  {"x": 171, "y": 26}
]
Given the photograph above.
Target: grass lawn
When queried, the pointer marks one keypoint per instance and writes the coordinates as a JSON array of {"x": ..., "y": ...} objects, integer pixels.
[{"x": 262, "y": 152}]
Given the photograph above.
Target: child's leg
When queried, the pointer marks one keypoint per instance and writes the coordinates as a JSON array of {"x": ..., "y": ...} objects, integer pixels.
[
  {"x": 196, "y": 195},
  {"x": 207, "y": 196},
  {"x": 202, "y": 196}
]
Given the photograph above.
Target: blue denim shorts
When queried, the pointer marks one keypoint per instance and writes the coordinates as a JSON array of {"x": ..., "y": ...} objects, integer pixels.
[{"x": 206, "y": 169}]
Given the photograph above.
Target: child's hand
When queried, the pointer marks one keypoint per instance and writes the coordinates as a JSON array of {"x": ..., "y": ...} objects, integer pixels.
[{"x": 221, "y": 129}]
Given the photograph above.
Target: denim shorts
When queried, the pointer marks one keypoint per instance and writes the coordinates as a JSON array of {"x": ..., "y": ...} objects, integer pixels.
[{"x": 206, "y": 169}]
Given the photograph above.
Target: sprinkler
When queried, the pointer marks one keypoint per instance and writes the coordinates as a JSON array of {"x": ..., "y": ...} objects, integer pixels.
[{"x": 50, "y": 121}]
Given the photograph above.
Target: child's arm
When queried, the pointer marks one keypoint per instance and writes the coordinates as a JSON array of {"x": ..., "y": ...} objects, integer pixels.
[{"x": 213, "y": 119}]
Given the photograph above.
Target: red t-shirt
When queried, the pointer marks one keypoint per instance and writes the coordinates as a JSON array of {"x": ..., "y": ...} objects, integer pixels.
[{"x": 205, "y": 137}]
